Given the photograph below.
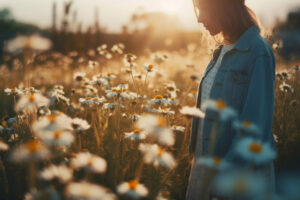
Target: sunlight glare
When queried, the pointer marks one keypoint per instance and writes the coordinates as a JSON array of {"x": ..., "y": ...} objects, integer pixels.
[{"x": 170, "y": 6}]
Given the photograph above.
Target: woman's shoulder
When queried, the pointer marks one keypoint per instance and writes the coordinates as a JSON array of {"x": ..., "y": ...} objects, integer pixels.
[{"x": 260, "y": 47}]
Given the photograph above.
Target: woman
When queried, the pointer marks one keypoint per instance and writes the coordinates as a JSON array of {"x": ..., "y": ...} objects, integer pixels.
[{"x": 242, "y": 74}]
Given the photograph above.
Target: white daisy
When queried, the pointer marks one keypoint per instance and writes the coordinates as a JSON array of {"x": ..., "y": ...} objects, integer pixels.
[
  {"x": 158, "y": 99},
  {"x": 3, "y": 146},
  {"x": 246, "y": 127},
  {"x": 53, "y": 122},
  {"x": 28, "y": 103},
  {"x": 99, "y": 80},
  {"x": 136, "y": 134},
  {"x": 150, "y": 68},
  {"x": 92, "y": 100},
  {"x": 134, "y": 117},
  {"x": 56, "y": 138},
  {"x": 240, "y": 184},
  {"x": 13, "y": 91},
  {"x": 48, "y": 192},
  {"x": 88, "y": 191},
  {"x": 157, "y": 127},
  {"x": 33, "y": 150},
  {"x": 286, "y": 87},
  {"x": 133, "y": 189},
  {"x": 156, "y": 155},
  {"x": 61, "y": 173},
  {"x": 90, "y": 162},
  {"x": 221, "y": 108},
  {"x": 178, "y": 128},
  {"x": 255, "y": 151},
  {"x": 192, "y": 112},
  {"x": 193, "y": 94},
  {"x": 80, "y": 125},
  {"x": 213, "y": 162}
]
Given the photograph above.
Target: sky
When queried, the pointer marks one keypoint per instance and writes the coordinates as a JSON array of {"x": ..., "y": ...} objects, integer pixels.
[{"x": 115, "y": 13}]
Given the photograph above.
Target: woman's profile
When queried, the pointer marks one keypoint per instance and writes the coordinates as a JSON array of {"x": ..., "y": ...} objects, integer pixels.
[{"x": 241, "y": 74}]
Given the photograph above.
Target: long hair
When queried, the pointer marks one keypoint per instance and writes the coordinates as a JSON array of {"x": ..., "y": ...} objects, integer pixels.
[{"x": 234, "y": 18}]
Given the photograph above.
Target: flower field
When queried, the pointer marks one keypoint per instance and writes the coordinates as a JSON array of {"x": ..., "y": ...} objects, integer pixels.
[{"x": 109, "y": 124}]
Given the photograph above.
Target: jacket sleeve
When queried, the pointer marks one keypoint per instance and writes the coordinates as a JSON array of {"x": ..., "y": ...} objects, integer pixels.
[{"x": 258, "y": 104}]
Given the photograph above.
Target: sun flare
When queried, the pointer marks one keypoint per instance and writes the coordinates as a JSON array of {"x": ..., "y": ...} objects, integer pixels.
[{"x": 170, "y": 6}]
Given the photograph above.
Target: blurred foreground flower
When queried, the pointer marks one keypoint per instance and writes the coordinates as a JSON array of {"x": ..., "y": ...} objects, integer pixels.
[
  {"x": 53, "y": 172},
  {"x": 157, "y": 127},
  {"x": 136, "y": 134},
  {"x": 192, "y": 112},
  {"x": 28, "y": 103},
  {"x": 213, "y": 162},
  {"x": 133, "y": 189},
  {"x": 240, "y": 184},
  {"x": 3, "y": 146},
  {"x": 221, "y": 108},
  {"x": 89, "y": 162},
  {"x": 255, "y": 151},
  {"x": 88, "y": 191},
  {"x": 49, "y": 193},
  {"x": 32, "y": 150},
  {"x": 157, "y": 155},
  {"x": 246, "y": 127},
  {"x": 53, "y": 122}
]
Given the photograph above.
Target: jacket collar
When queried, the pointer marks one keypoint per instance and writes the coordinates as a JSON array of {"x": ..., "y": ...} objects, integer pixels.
[{"x": 244, "y": 42}]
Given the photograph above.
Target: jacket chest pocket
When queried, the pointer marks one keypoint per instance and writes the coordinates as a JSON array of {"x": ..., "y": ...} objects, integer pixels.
[
  {"x": 237, "y": 81},
  {"x": 238, "y": 76}
]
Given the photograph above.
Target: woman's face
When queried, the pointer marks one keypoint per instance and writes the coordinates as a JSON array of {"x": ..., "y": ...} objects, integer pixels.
[{"x": 207, "y": 15}]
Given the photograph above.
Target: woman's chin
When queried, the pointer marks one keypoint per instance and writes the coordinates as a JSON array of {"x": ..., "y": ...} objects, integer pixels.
[{"x": 213, "y": 32}]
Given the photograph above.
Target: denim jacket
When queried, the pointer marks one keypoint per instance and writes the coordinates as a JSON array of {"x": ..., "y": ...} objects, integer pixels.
[{"x": 245, "y": 81}]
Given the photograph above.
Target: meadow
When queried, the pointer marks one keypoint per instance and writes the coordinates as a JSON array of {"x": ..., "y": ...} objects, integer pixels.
[{"x": 109, "y": 124}]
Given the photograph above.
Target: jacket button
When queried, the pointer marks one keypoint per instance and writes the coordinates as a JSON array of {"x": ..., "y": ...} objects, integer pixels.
[
  {"x": 245, "y": 72},
  {"x": 235, "y": 77}
]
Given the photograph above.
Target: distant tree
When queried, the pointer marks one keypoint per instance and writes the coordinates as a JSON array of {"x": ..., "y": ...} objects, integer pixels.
[{"x": 10, "y": 28}]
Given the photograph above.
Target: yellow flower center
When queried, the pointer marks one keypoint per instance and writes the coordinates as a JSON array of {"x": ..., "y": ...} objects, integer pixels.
[
  {"x": 90, "y": 162},
  {"x": 116, "y": 90},
  {"x": 158, "y": 97},
  {"x": 161, "y": 121},
  {"x": 4, "y": 123},
  {"x": 150, "y": 66},
  {"x": 217, "y": 160},
  {"x": 221, "y": 104},
  {"x": 57, "y": 134},
  {"x": 160, "y": 151},
  {"x": 31, "y": 97},
  {"x": 33, "y": 146},
  {"x": 52, "y": 118},
  {"x": 133, "y": 184},
  {"x": 136, "y": 131},
  {"x": 246, "y": 123},
  {"x": 255, "y": 148}
]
